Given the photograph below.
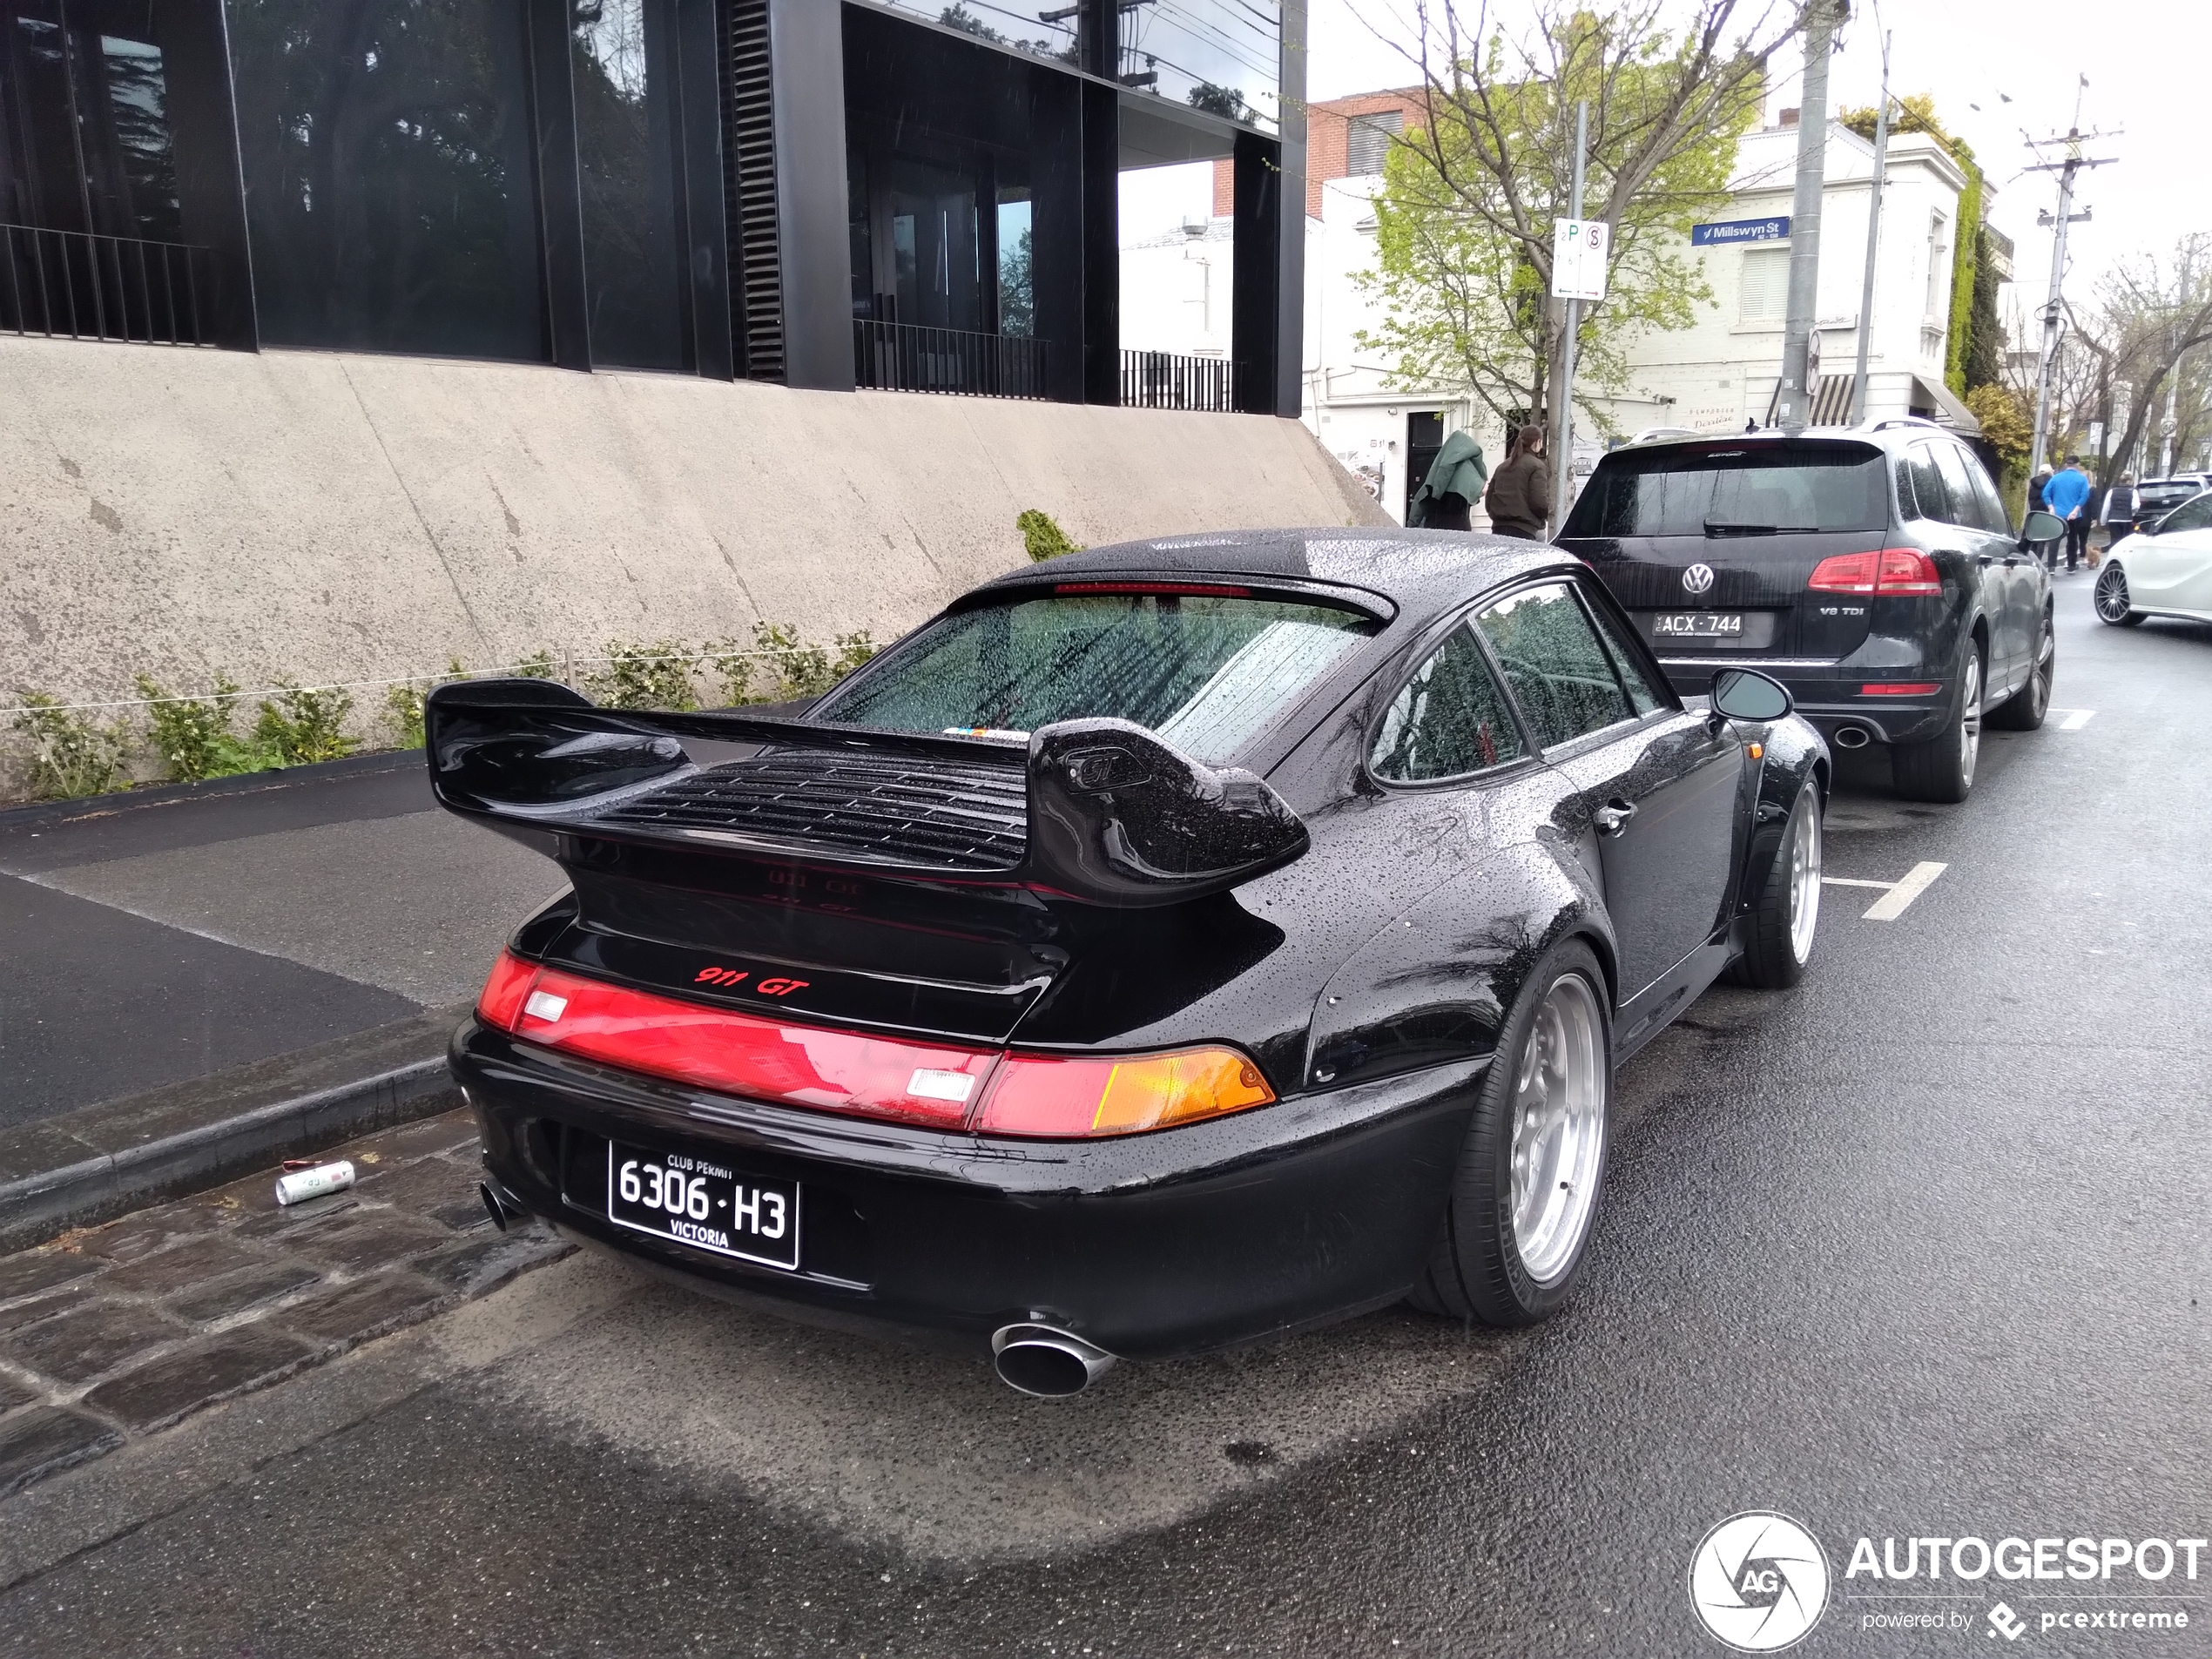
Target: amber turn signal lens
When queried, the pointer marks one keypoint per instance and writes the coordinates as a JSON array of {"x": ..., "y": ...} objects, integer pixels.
[{"x": 1068, "y": 1099}]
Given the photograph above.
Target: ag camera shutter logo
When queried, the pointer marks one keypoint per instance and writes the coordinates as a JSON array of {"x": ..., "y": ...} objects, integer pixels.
[{"x": 1758, "y": 1582}]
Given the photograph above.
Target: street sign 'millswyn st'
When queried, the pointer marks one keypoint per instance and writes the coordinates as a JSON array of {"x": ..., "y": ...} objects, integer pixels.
[{"x": 1774, "y": 228}]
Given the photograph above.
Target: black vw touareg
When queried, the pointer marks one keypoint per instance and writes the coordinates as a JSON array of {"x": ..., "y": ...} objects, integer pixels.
[{"x": 1872, "y": 569}]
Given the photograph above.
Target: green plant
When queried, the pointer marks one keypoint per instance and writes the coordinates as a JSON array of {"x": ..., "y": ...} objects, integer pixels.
[
  {"x": 800, "y": 670},
  {"x": 538, "y": 666},
  {"x": 658, "y": 676},
  {"x": 301, "y": 725},
  {"x": 852, "y": 649},
  {"x": 70, "y": 754},
  {"x": 192, "y": 734},
  {"x": 403, "y": 707},
  {"x": 1043, "y": 538}
]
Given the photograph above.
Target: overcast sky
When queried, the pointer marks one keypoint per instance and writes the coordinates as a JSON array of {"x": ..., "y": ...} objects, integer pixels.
[{"x": 2149, "y": 64}]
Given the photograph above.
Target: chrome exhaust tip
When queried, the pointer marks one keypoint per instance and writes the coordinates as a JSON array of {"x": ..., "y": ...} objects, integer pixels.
[
  {"x": 1852, "y": 737},
  {"x": 1048, "y": 1363}
]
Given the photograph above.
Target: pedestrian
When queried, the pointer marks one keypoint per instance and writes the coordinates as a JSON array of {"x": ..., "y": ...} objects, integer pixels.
[
  {"x": 1454, "y": 485},
  {"x": 2035, "y": 488},
  {"x": 2067, "y": 496},
  {"x": 2119, "y": 515},
  {"x": 1519, "y": 500}
]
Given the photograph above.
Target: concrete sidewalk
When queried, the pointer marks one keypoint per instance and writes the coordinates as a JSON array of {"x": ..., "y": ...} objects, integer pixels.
[{"x": 176, "y": 958}]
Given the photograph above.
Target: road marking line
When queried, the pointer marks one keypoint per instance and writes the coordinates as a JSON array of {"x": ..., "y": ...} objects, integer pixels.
[
  {"x": 1895, "y": 902},
  {"x": 1853, "y": 882},
  {"x": 2075, "y": 718}
]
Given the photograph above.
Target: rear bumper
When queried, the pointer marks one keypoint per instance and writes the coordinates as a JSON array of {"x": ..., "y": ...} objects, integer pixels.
[
  {"x": 1828, "y": 695},
  {"x": 1312, "y": 1209}
]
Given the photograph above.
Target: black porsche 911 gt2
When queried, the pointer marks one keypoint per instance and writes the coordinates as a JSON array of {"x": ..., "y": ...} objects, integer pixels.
[{"x": 1173, "y": 944}]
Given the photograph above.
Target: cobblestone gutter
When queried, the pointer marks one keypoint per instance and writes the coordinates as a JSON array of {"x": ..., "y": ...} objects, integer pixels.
[{"x": 119, "y": 1332}]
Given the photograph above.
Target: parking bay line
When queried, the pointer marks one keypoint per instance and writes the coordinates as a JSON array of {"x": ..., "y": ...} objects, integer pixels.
[
  {"x": 2075, "y": 718},
  {"x": 1897, "y": 896}
]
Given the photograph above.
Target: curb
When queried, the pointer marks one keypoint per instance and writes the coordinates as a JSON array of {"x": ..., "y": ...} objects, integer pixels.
[
  {"x": 38, "y": 814},
  {"x": 35, "y": 1208}
]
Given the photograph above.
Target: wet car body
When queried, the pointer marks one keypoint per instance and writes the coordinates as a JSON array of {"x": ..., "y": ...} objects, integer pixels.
[{"x": 1366, "y": 975}]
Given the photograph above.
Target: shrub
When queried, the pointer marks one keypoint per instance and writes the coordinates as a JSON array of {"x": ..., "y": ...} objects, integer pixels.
[
  {"x": 70, "y": 754},
  {"x": 852, "y": 649},
  {"x": 192, "y": 734},
  {"x": 303, "y": 726},
  {"x": 658, "y": 676},
  {"x": 538, "y": 666},
  {"x": 1043, "y": 538},
  {"x": 793, "y": 668},
  {"x": 403, "y": 707}
]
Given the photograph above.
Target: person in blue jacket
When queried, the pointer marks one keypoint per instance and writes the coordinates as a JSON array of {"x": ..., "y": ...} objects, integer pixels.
[{"x": 2067, "y": 494}]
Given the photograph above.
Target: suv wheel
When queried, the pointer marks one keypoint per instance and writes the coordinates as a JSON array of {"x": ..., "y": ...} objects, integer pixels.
[
  {"x": 1942, "y": 769},
  {"x": 2111, "y": 598},
  {"x": 2025, "y": 709}
]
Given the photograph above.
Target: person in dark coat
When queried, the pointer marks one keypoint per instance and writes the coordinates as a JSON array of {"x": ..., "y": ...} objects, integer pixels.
[
  {"x": 1519, "y": 500},
  {"x": 2035, "y": 502},
  {"x": 1453, "y": 484}
]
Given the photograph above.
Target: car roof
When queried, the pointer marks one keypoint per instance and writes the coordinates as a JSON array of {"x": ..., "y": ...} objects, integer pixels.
[
  {"x": 1420, "y": 573},
  {"x": 1891, "y": 432}
]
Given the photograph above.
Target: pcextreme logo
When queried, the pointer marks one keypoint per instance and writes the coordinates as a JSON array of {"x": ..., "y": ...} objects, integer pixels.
[{"x": 1758, "y": 1582}]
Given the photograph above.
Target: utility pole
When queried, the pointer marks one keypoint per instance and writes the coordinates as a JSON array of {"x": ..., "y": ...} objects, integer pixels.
[
  {"x": 1562, "y": 438},
  {"x": 1873, "y": 241},
  {"x": 1796, "y": 410},
  {"x": 2053, "y": 305}
]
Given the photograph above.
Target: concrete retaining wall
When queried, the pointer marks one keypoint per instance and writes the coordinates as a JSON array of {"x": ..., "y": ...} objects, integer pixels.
[{"x": 326, "y": 518}]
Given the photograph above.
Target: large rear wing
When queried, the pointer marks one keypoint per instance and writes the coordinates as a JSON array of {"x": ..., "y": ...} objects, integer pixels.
[{"x": 1100, "y": 810}]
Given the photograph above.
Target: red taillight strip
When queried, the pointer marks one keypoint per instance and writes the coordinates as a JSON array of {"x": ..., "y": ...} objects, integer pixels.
[{"x": 1200, "y": 590}]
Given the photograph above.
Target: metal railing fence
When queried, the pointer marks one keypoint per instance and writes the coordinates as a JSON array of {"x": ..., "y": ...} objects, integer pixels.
[
  {"x": 908, "y": 357},
  {"x": 1159, "y": 380},
  {"x": 88, "y": 287}
]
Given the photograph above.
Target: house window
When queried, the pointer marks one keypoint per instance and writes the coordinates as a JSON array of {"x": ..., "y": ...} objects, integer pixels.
[
  {"x": 623, "y": 58},
  {"x": 1368, "y": 145},
  {"x": 1766, "y": 284},
  {"x": 1938, "y": 267}
]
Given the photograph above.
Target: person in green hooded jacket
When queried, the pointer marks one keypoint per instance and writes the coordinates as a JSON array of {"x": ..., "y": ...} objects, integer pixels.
[{"x": 1454, "y": 483}]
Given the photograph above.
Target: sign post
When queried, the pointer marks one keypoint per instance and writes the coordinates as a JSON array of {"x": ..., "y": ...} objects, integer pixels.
[{"x": 1579, "y": 250}]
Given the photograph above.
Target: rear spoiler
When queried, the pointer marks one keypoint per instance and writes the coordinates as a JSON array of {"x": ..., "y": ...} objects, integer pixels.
[{"x": 1109, "y": 814}]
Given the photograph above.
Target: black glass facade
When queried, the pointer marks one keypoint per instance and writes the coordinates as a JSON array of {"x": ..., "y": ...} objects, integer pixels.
[
  {"x": 389, "y": 184},
  {"x": 627, "y": 107}
]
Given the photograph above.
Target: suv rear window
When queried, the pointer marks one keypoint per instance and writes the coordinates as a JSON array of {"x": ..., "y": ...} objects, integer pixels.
[
  {"x": 1206, "y": 671},
  {"x": 1754, "y": 489}
]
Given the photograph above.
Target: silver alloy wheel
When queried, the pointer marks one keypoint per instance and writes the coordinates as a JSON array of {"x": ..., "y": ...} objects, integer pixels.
[
  {"x": 1558, "y": 1130},
  {"x": 2112, "y": 595},
  {"x": 1970, "y": 719},
  {"x": 2039, "y": 683},
  {"x": 1804, "y": 882}
]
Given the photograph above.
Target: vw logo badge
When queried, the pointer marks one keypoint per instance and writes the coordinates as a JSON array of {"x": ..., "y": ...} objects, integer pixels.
[{"x": 1697, "y": 579}]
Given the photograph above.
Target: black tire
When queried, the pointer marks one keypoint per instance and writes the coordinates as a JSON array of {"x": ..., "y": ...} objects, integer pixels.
[
  {"x": 1477, "y": 1270},
  {"x": 1776, "y": 953},
  {"x": 2111, "y": 601},
  {"x": 2025, "y": 709},
  {"x": 1942, "y": 768}
]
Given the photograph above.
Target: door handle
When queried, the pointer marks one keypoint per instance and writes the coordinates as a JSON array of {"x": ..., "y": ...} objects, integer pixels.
[
  {"x": 1985, "y": 559},
  {"x": 1612, "y": 818}
]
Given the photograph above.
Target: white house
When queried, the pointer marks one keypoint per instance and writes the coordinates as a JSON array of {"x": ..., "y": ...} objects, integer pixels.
[{"x": 1715, "y": 376}]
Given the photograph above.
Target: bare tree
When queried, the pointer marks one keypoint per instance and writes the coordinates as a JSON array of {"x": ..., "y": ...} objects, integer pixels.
[{"x": 2148, "y": 319}]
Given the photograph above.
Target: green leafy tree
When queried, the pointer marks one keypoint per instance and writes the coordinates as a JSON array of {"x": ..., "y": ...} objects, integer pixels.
[{"x": 1470, "y": 191}]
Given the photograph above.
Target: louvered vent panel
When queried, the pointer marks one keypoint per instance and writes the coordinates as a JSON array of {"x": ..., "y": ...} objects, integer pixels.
[
  {"x": 749, "y": 189},
  {"x": 951, "y": 816}
]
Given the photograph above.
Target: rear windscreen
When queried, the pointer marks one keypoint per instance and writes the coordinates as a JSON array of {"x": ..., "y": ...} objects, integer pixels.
[
  {"x": 1205, "y": 671},
  {"x": 1759, "y": 489}
]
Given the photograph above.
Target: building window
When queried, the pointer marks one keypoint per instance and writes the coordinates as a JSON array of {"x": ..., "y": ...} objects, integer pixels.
[
  {"x": 390, "y": 201},
  {"x": 1766, "y": 285},
  {"x": 1367, "y": 144},
  {"x": 84, "y": 134},
  {"x": 1938, "y": 267},
  {"x": 626, "y": 117}
]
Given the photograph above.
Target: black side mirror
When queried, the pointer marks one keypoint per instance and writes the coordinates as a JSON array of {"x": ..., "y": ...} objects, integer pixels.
[
  {"x": 1746, "y": 694},
  {"x": 2039, "y": 527}
]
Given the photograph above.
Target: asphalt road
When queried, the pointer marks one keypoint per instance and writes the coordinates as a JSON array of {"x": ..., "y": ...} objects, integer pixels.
[{"x": 1919, "y": 1249}]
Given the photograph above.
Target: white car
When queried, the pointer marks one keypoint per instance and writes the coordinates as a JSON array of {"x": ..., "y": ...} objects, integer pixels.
[{"x": 2163, "y": 571}]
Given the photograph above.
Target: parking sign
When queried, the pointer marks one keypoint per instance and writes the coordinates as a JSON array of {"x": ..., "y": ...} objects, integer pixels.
[{"x": 1578, "y": 258}]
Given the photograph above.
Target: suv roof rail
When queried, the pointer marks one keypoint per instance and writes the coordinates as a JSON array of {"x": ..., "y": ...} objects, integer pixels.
[{"x": 1900, "y": 420}]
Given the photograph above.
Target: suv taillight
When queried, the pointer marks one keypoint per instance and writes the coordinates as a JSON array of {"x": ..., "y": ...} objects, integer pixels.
[{"x": 1894, "y": 569}]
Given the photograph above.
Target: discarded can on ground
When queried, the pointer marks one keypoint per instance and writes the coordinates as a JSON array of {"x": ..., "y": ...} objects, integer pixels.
[{"x": 302, "y": 1185}]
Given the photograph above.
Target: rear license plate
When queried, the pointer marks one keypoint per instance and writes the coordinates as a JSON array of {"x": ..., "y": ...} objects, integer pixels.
[
  {"x": 1697, "y": 625},
  {"x": 708, "y": 1205}
]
